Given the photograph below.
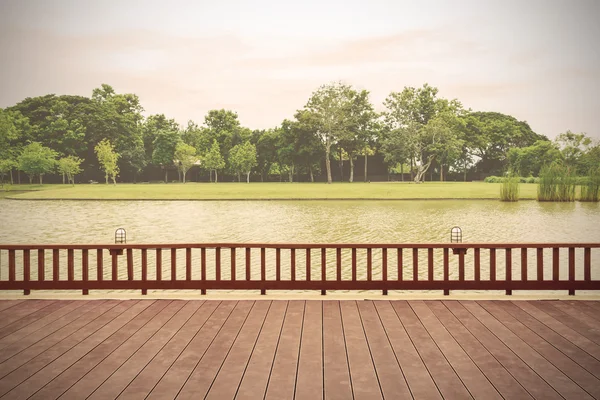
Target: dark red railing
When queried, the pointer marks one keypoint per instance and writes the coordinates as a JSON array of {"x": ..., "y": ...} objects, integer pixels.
[{"x": 321, "y": 267}]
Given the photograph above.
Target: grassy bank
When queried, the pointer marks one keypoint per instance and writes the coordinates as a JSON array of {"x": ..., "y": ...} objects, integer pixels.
[{"x": 199, "y": 191}]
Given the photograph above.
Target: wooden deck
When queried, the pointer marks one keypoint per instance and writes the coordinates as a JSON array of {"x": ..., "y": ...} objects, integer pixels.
[{"x": 162, "y": 349}]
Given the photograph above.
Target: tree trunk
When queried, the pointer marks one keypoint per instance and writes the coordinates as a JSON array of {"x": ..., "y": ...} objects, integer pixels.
[
  {"x": 341, "y": 167},
  {"x": 351, "y": 178},
  {"x": 290, "y": 175},
  {"x": 114, "y": 179},
  {"x": 183, "y": 175},
  {"x": 216, "y": 177},
  {"x": 239, "y": 177},
  {"x": 312, "y": 178},
  {"x": 19, "y": 176},
  {"x": 106, "y": 177},
  {"x": 465, "y": 170},
  {"x": 441, "y": 172},
  {"x": 11, "y": 178},
  {"x": 30, "y": 179},
  {"x": 248, "y": 177},
  {"x": 402, "y": 171},
  {"x": 41, "y": 175},
  {"x": 166, "y": 175},
  {"x": 63, "y": 176},
  {"x": 422, "y": 169},
  {"x": 365, "y": 165},
  {"x": 412, "y": 168},
  {"x": 328, "y": 164}
]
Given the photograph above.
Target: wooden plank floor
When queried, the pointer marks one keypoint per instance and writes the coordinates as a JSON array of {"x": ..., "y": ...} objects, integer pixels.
[{"x": 163, "y": 349}]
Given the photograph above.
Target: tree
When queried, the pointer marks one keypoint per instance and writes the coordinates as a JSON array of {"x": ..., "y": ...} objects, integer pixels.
[
  {"x": 12, "y": 125},
  {"x": 573, "y": 146},
  {"x": 185, "y": 157},
  {"x": 328, "y": 106},
  {"x": 69, "y": 167},
  {"x": 6, "y": 166},
  {"x": 37, "y": 160},
  {"x": 108, "y": 158},
  {"x": 243, "y": 158},
  {"x": 213, "y": 160},
  {"x": 164, "y": 146},
  {"x": 530, "y": 160}
]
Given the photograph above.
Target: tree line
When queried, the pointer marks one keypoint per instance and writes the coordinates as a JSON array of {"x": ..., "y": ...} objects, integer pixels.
[{"x": 417, "y": 132}]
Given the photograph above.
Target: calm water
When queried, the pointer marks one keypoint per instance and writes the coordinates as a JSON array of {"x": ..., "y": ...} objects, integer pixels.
[{"x": 428, "y": 221}]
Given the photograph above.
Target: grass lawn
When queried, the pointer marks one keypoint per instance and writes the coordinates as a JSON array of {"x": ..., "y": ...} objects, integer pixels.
[{"x": 198, "y": 191}]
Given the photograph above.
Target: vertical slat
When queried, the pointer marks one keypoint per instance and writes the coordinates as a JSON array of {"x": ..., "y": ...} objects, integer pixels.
[
  {"x": 492, "y": 265},
  {"x": 233, "y": 263},
  {"x": 99, "y": 265},
  {"x": 218, "y": 263},
  {"x": 70, "y": 265},
  {"x": 384, "y": 271},
  {"x": 354, "y": 264},
  {"x": 129, "y": 264},
  {"x": 587, "y": 264},
  {"x": 369, "y": 265},
  {"x": 26, "y": 269},
  {"x": 430, "y": 264},
  {"x": 85, "y": 269},
  {"x": 571, "y": 269},
  {"x": 173, "y": 264},
  {"x": 540, "y": 264},
  {"x": 158, "y": 264},
  {"x": 415, "y": 264},
  {"x": 248, "y": 256},
  {"x": 293, "y": 264},
  {"x": 188, "y": 264},
  {"x": 11, "y": 265},
  {"x": 508, "y": 264},
  {"x": 203, "y": 267},
  {"x": 555, "y": 263},
  {"x": 477, "y": 256},
  {"x": 144, "y": 269},
  {"x": 446, "y": 270},
  {"x": 323, "y": 269},
  {"x": 338, "y": 262},
  {"x": 278, "y": 264},
  {"x": 400, "y": 266},
  {"x": 308, "y": 264},
  {"x": 263, "y": 269},
  {"x": 524, "y": 264},
  {"x": 461, "y": 265},
  {"x": 115, "y": 265},
  {"x": 55, "y": 265},
  {"x": 41, "y": 265}
]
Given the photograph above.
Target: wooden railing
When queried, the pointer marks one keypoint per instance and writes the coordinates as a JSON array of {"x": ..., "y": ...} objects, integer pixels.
[{"x": 235, "y": 266}]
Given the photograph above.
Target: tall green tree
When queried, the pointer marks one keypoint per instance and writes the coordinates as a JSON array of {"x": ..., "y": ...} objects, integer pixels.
[
  {"x": 213, "y": 160},
  {"x": 108, "y": 159},
  {"x": 185, "y": 157},
  {"x": 165, "y": 144},
  {"x": 573, "y": 146},
  {"x": 69, "y": 167},
  {"x": 13, "y": 126},
  {"x": 243, "y": 158},
  {"x": 37, "y": 160}
]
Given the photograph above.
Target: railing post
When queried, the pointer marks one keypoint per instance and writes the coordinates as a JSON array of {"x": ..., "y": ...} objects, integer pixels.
[
  {"x": 508, "y": 269},
  {"x": 323, "y": 269},
  {"x": 263, "y": 270},
  {"x": 384, "y": 271},
  {"x": 144, "y": 269},
  {"x": 85, "y": 270},
  {"x": 26, "y": 269},
  {"x": 446, "y": 270},
  {"x": 203, "y": 268},
  {"x": 571, "y": 269},
  {"x": 55, "y": 265}
]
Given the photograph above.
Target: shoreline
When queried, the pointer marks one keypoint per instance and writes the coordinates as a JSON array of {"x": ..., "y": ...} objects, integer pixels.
[{"x": 274, "y": 199}]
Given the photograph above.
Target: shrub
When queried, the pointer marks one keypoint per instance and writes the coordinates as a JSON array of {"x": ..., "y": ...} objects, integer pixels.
[
  {"x": 509, "y": 191},
  {"x": 557, "y": 183},
  {"x": 590, "y": 189}
]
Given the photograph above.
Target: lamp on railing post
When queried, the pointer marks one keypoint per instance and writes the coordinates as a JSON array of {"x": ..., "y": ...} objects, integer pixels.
[
  {"x": 456, "y": 237},
  {"x": 120, "y": 237}
]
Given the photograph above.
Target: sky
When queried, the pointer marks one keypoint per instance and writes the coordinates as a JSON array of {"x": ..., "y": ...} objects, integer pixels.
[{"x": 536, "y": 60}]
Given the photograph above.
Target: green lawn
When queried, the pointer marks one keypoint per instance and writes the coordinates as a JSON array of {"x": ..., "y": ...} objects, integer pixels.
[{"x": 192, "y": 191}]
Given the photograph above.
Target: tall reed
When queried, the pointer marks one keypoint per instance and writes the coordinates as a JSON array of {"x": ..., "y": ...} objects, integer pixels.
[
  {"x": 557, "y": 183},
  {"x": 590, "y": 191},
  {"x": 509, "y": 191}
]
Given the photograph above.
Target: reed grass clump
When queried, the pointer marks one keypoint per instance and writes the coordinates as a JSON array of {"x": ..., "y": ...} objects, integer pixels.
[
  {"x": 509, "y": 191},
  {"x": 557, "y": 183},
  {"x": 590, "y": 189}
]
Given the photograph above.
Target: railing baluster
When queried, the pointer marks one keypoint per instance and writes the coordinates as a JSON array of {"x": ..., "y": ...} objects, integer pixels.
[
  {"x": 159, "y": 264},
  {"x": 70, "y": 265},
  {"x": 129, "y": 264},
  {"x": 446, "y": 270},
  {"x": 415, "y": 264},
  {"x": 540, "y": 264},
  {"x": 293, "y": 264},
  {"x": 217, "y": 263},
  {"x": 508, "y": 269},
  {"x": 493, "y": 265},
  {"x": 173, "y": 264},
  {"x": 571, "y": 269},
  {"x": 55, "y": 265},
  {"x": 354, "y": 264},
  {"x": 430, "y": 264},
  {"x": 369, "y": 265},
  {"x": 477, "y": 256},
  {"x": 188, "y": 264},
  {"x": 323, "y": 269},
  {"x": 555, "y": 263},
  {"x": 461, "y": 265},
  {"x": 26, "y": 269},
  {"x": 203, "y": 268},
  {"x": 278, "y": 264},
  {"x": 144, "y": 269},
  {"x": 248, "y": 258},
  {"x": 99, "y": 265},
  {"x": 11, "y": 265},
  {"x": 587, "y": 264},
  {"x": 400, "y": 266},
  {"x": 524, "y": 264},
  {"x": 384, "y": 271},
  {"x": 41, "y": 265},
  {"x": 338, "y": 262},
  {"x": 263, "y": 269},
  {"x": 115, "y": 261},
  {"x": 233, "y": 263},
  {"x": 85, "y": 270},
  {"x": 308, "y": 264}
]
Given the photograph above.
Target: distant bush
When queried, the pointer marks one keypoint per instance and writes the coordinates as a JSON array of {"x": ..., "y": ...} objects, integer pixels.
[{"x": 502, "y": 179}]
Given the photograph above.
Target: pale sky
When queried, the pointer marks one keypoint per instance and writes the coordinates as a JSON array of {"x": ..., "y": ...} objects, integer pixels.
[{"x": 537, "y": 60}]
